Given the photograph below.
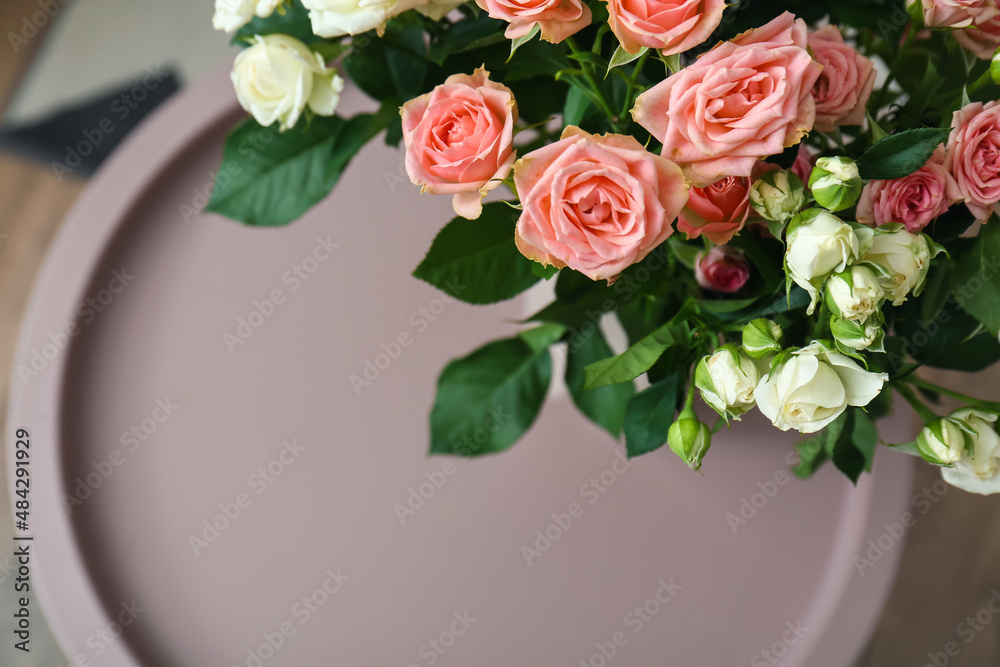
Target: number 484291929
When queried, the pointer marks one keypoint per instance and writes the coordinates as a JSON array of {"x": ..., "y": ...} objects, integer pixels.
[{"x": 22, "y": 481}]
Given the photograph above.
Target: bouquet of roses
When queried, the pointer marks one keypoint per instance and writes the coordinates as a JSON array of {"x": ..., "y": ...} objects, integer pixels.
[{"x": 784, "y": 205}]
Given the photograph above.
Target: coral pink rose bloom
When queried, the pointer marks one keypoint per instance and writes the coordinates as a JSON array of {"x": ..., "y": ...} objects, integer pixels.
[
  {"x": 913, "y": 200},
  {"x": 743, "y": 100},
  {"x": 955, "y": 13},
  {"x": 597, "y": 204},
  {"x": 982, "y": 39},
  {"x": 673, "y": 26},
  {"x": 723, "y": 269},
  {"x": 459, "y": 139},
  {"x": 846, "y": 83},
  {"x": 718, "y": 211},
  {"x": 558, "y": 19},
  {"x": 973, "y": 156}
]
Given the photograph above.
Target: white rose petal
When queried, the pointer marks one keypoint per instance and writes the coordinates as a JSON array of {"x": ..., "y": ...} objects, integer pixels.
[
  {"x": 278, "y": 76},
  {"x": 855, "y": 295},
  {"x": 905, "y": 258},
  {"x": 727, "y": 380},
  {"x": 979, "y": 473},
  {"x": 813, "y": 387},
  {"x": 333, "y": 18},
  {"x": 817, "y": 248}
]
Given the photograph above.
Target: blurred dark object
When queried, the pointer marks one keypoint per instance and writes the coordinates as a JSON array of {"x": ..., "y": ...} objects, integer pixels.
[{"x": 76, "y": 140}]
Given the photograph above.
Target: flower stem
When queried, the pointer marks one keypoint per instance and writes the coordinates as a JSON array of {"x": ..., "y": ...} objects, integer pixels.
[
  {"x": 595, "y": 85},
  {"x": 636, "y": 73},
  {"x": 965, "y": 398},
  {"x": 925, "y": 412}
]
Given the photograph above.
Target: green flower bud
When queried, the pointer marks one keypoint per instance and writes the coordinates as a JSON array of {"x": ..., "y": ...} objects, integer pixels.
[
  {"x": 867, "y": 335},
  {"x": 762, "y": 338},
  {"x": 777, "y": 196},
  {"x": 943, "y": 442},
  {"x": 727, "y": 380},
  {"x": 836, "y": 183},
  {"x": 855, "y": 294},
  {"x": 689, "y": 439}
]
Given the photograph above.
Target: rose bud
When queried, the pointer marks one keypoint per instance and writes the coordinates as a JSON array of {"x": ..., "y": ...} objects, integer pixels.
[
  {"x": 777, "y": 196},
  {"x": 867, "y": 335},
  {"x": 723, "y": 269},
  {"x": 905, "y": 259},
  {"x": 727, "y": 380},
  {"x": 835, "y": 183},
  {"x": 689, "y": 438},
  {"x": 855, "y": 294},
  {"x": 977, "y": 467},
  {"x": 762, "y": 338},
  {"x": 717, "y": 211},
  {"x": 819, "y": 243}
]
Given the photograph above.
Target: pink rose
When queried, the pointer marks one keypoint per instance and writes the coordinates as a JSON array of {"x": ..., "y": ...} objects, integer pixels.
[
  {"x": 846, "y": 83},
  {"x": 597, "y": 204},
  {"x": 723, "y": 269},
  {"x": 913, "y": 200},
  {"x": 459, "y": 139},
  {"x": 743, "y": 100},
  {"x": 558, "y": 19},
  {"x": 674, "y": 26},
  {"x": 974, "y": 156},
  {"x": 982, "y": 39},
  {"x": 718, "y": 211},
  {"x": 956, "y": 13}
]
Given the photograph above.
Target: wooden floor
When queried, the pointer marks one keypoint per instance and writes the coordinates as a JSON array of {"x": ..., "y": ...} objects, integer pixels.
[{"x": 951, "y": 563}]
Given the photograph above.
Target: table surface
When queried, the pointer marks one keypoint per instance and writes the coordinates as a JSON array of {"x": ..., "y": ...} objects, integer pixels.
[{"x": 950, "y": 568}]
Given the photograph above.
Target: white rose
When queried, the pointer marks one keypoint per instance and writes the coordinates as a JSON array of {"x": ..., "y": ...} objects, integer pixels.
[
  {"x": 855, "y": 294},
  {"x": 277, "y": 77},
  {"x": 231, "y": 15},
  {"x": 333, "y": 18},
  {"x": 904, "y": 258},
  {"x": 813, "y": 387},
  {"x": 727, "y": 380},
  {"x": 818, "y": 247},
  {"x": 943, "y": 441},
  {"x": 977, "y": 474}
]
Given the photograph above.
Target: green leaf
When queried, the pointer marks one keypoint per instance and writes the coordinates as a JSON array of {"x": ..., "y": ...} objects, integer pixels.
[
  {"x": 515, "y": 44},
  {"x": 648, "y": 416},
  {"x": 577, "y": 105},
  {"x": 854, "y": 449},
  {"x": 542, "y": 271},
  {"x": 466, "y": 35},
  {"x": 293, "y": 21},
  {"x": 272, "y": 178},
  {"x": 817, "y": 450},
  {"x": 672, "y": 63},
  {"x": 901, "y": 154},
  {"x": 604, "y": 406},
  {"x": 631, "y": 363},
  {"x": 623, "y": 57},
  {"x": 486, "y": 401},
  {"x": 542, "y": 337},
  {"x": 476, "y": 260},
  {"x": 394, "y": 65},
  {"x": 976, "y": 279}
]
